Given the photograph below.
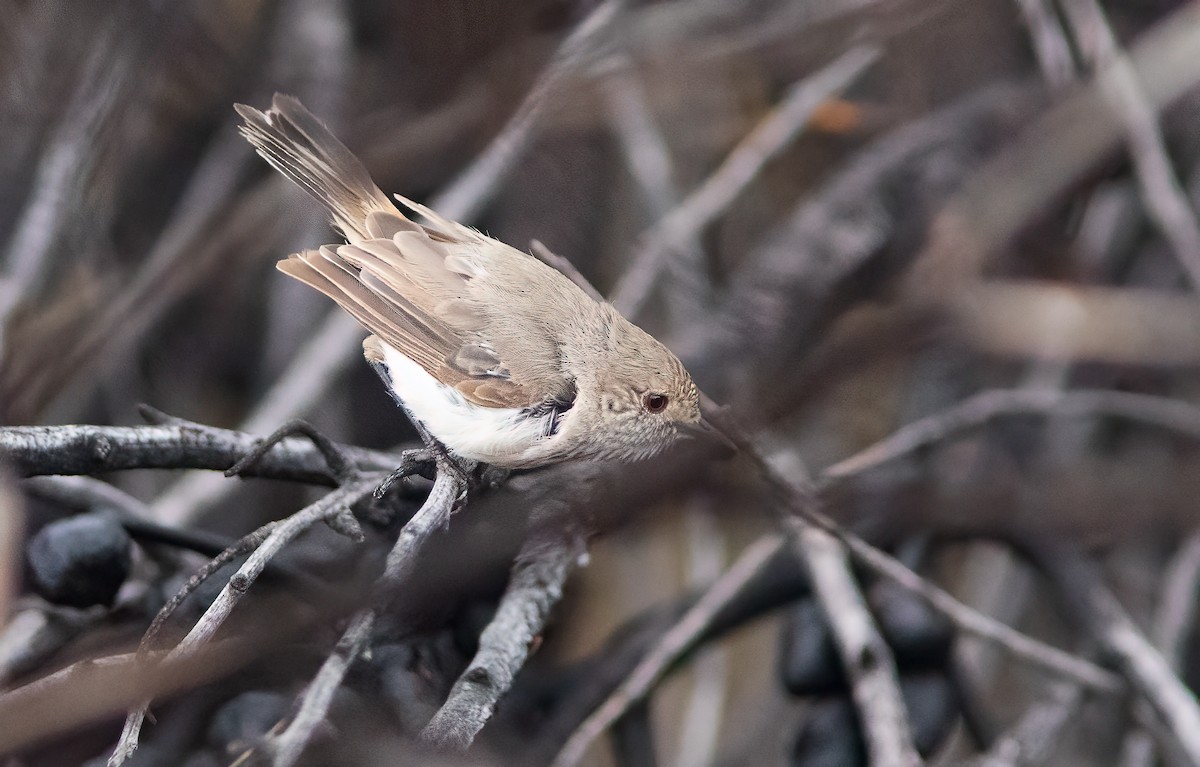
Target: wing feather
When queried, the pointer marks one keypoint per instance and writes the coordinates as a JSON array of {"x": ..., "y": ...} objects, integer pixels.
[{"x": 418, "y": 287}]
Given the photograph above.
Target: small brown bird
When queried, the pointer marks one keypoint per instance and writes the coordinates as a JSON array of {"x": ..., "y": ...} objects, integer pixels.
[{"x": 500, "y": 357}]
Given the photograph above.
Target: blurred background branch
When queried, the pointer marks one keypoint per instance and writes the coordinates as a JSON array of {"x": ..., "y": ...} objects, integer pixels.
[{"x": 944, "y": 252}]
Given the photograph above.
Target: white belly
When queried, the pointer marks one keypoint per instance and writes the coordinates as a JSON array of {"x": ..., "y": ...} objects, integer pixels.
[{"x": 506, "y": 437}]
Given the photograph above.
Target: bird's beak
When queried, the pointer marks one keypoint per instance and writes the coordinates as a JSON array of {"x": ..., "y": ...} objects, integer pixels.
[{"x": 704, "y": 431}]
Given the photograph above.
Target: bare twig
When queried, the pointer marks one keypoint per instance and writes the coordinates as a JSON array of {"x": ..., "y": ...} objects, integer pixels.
[
  {"x": 1174, "y": 620},
  {"x": 1119, "y": 84},
  {"x": 1057, "y": 148},
  {"x": 12, "y": 525},
  {"x": 533, "y": 590},
  {"x": 86, "y": 492},
  {"x": 648, "y": 159},
  {"x": 1160, "y": 412},
  {"x": 1049, "y": 43},
  {"x": 1143, "y": 665},
  {"x": 433, "y": 515},
  {"x": 1032, "y": 740},
  {"x": 699, "y": 733},
  {"x": 865, "y": 655},
  {"x": 89, "y": 689},
  {"x": 774, "y": 133},
  {"x": 1019, "y": 645},
  {"x": 799, "y": 506},
  {"x": 646, "y": 152},
  {"x": 35, "y": 633},
  {"x": 66, "y": 164},
  {"x": 448, "y": 490},
  {"x": 280, "y": 534},
  {"x": 564, "y": 265},
  {"x": 471, "y": 190},
  {"x": 76, "y": 450},
  {"x": 665, "y": 652},
  {"x": 286, "y": 747}
]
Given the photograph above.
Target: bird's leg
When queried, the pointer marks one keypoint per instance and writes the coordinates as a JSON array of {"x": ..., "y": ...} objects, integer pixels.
[
  {"x": 416, "y": 461},
  {"x": 340, "y": 467},
  {"x": 461, "y": 468}
]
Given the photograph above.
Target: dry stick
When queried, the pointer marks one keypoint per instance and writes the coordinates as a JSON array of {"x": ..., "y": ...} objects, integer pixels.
[
  {"x": 478, "y": 182},
  {"x": 334, "y": 345},
  {"x": 1173, "y": 624},
  {"x": 865, "y": 655},
  {"x": 1142, "y": 664},
  {"x": 669, "y": 648},
  {"x": 773, "y": 134},
  {"x": 433, "y": 515},
  {"x": 87, "y": 492},
  {"x": 1118, "y": 81},
  {"x": 533, "y": 590},
  {"x": 1049, "y": 44},
  {"x": 799, "y": 504},
  {"x": 699, "y": 737},
  {"x": 317, "y": 697},
  {"x": 1162, "y": 412},
  {"x": 12, "y": 524},
  {"x": 648, "y": 159},
  {"x": 68, "y": 160},
  {"x": 79, "y": 450},
  {"x": 281, "y": 533},
  {"x": 647, "y": 155},
  {"x": 1032, "y": 740}
]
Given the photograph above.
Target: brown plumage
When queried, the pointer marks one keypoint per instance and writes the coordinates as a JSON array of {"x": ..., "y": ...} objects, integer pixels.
[{"x": 497, "y": 326}]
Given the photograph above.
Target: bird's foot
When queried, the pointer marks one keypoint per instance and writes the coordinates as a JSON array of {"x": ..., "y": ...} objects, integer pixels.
[
  {"x": 420, "y": 461},
  {"x": 340, "y": 467}
]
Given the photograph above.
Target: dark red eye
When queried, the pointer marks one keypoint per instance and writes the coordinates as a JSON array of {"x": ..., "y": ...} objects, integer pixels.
[{"x": 655, "y": 403}]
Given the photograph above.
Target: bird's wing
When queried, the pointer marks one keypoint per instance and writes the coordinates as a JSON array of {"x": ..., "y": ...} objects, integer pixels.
[
  {"x": 415, "y": 286},
  {"x": 414, "y": 308}
]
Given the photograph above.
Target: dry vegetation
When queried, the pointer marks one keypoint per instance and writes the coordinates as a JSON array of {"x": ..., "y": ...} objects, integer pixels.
[{"x": 933, "y": 259}]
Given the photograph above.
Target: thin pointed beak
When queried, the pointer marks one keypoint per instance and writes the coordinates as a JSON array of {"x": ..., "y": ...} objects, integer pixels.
[{"x": 704, "y": 431}]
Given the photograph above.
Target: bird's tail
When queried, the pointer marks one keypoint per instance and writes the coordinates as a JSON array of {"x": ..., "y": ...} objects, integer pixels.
[{"x": 299, "y": 145}]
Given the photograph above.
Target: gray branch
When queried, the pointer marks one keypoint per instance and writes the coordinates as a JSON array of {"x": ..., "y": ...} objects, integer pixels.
[
  {"x": 77, "y": 450},
  {"x": 535, "y": 587}
]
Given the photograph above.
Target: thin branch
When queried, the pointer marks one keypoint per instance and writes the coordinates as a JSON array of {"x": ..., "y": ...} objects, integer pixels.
[
  {"x": 773, "y": 134},
  {"x": 86, "y": 492},
  {"x": 1160, "y": 412},
  {"x": 1174, "y": 621},
  {"x": 646, "y": 152},
  {"x": 669, "y": 649},
  {"x": 798, "y": 505},
  {"x": 80, "y": 450},
  {"x": 1032, "y": 740},
  {"x": 287, "y": 747},
  {"x": 700, "y": 728},
  {"x": 533, "y": 590},
  {"x": 433, "y": 515},
  {"x": 70, "y": 156},
  {"x": 12, "y": 526},
  {"x": 865, "y": 655},
  {"x": 1119, "y": 85},
  {"x": 448, "y": 490},
  {"x": 474, "y": 187},
  {"x": 1049, "y": 43},
  {"x": 1143, "y": 665},
  {"x": 280, "y": 534},
  {"x": 648, "y": 159}
]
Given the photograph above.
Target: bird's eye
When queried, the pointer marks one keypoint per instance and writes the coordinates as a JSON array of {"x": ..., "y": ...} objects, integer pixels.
[{"x": 655, "y": 403}]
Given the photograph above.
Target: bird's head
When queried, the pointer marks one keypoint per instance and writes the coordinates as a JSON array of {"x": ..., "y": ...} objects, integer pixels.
[{"x": 645, "y": 399}]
